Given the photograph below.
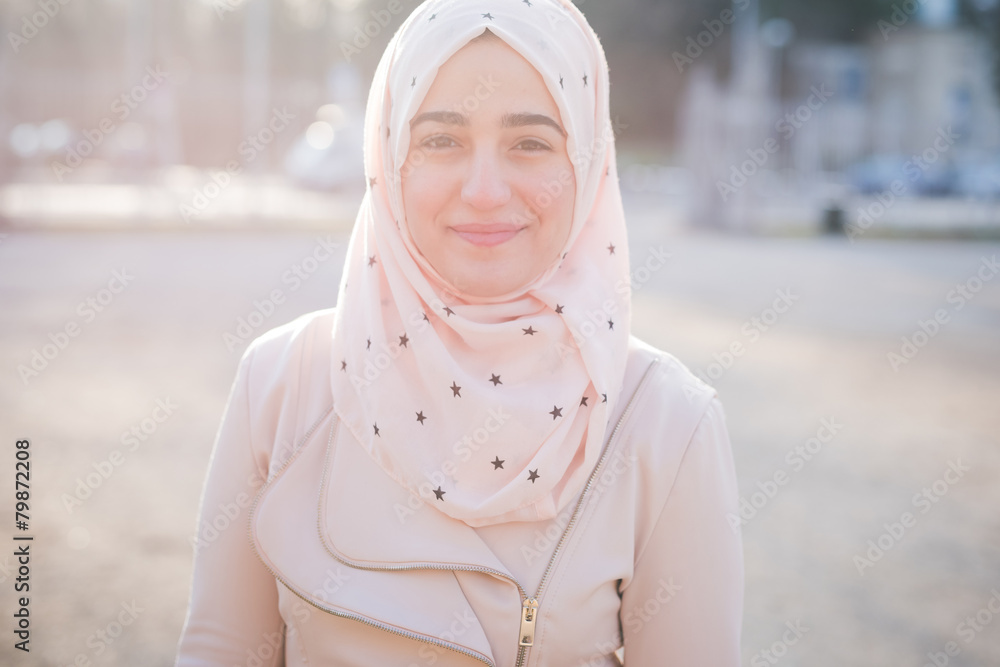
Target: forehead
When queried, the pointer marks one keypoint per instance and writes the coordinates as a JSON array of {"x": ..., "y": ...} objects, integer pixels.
[{"x": 485, "y": 76}]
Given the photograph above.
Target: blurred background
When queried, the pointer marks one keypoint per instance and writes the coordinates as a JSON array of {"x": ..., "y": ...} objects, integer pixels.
[
  {"x": 751, "y": 116},
  {"x": 177, "y": 177}
]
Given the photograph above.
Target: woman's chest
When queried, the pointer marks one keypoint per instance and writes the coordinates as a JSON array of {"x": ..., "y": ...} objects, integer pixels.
[{"x": 383, "y": 582}]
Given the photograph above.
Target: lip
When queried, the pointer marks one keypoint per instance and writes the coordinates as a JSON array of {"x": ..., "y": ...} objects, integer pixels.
[{"x": 487, "y": 235}]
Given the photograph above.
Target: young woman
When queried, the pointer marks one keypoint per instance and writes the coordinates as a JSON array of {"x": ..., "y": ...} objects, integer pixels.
[{"x": 471, "y": 460}]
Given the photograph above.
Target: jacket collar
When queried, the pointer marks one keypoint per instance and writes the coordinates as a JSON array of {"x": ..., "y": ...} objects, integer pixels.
[
  {"x": 345, "y": 554},
  {"x": 368, "y": 519}
]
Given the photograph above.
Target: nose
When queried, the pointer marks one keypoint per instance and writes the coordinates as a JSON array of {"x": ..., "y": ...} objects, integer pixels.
[{"x": 485, "y": 186}]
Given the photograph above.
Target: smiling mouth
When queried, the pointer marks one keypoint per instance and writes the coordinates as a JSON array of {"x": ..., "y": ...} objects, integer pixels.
[{"x": 487, "y": 235}]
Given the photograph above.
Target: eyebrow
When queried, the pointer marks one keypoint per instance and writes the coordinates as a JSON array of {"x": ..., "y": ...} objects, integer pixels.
[
  {"x": 509, "y": 120},
  {"x": 445, "y": 117},
  {"x": 524, "y": 119}
]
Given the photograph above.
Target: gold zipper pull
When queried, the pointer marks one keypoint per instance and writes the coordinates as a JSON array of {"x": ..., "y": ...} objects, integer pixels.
[{"x": 529, "y": 610}]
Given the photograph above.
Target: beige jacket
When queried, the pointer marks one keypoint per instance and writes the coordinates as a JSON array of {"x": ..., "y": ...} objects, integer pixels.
[{"x": 341, "y": 566}]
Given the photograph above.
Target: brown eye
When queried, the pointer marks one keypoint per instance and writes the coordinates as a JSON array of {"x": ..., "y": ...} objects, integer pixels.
[
  {"x": 438, "y": 141},
  {"x": 533, "y": 145}
]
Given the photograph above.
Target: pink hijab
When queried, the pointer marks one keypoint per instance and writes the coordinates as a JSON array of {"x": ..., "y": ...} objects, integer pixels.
[{"x": 453, "y": 395}]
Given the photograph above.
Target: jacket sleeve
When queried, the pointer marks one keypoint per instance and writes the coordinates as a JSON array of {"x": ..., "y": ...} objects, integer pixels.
[
  {"x": 686, "y": 594},
  {"x": 233, "y": 610}
]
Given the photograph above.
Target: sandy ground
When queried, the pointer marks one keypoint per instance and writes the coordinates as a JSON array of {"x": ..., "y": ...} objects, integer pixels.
[{"x": 891, "y": 432}]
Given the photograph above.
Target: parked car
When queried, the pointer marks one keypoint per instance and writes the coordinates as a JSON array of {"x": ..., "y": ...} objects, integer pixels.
[
  {"x": 329, "y": 155},
  {"x": 878, "y": 173},
  {"x": 979, "y": 179}
]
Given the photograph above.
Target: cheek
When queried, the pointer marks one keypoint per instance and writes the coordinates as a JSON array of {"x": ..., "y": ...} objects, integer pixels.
[
  {"x": 423, "y": 201},
  {"x": 552, "y": 196}
]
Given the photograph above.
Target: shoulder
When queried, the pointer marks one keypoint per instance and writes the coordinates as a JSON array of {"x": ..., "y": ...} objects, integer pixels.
[
  {"x": 671, "y": 394},
  {"x": 287, "y": 376},
  {"x": 273, "y": 355},
  {"x": 672, "y": 412}
]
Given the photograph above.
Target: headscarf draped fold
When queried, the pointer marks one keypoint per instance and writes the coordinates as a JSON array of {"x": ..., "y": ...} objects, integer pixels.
[{"x": 448, "y": 392}]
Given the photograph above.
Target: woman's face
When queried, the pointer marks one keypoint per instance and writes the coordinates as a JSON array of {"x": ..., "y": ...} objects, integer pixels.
[{"x": 488, "y": 186}]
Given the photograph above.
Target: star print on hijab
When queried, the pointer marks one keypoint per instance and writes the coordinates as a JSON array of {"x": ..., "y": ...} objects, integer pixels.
[{"x": 487, "y": 408}]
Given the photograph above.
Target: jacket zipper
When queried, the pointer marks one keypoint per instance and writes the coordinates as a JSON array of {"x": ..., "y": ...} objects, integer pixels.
[
  {"x": 572, "y": 521},
  {"x": 529, "y": 605}
]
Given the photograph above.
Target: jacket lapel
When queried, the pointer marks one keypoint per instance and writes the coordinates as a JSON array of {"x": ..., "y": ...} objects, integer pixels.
[
  {"x": 373, "y": 521},
  {"x": 352, "y": 555}
]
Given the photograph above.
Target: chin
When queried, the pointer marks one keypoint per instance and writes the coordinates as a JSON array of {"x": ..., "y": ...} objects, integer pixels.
[{"x": 477, "y": 282}]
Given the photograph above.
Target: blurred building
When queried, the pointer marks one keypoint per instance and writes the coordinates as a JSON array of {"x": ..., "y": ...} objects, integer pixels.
[
  {"x": 803, "y": 126},
  {"x": 924, "y": 79}
]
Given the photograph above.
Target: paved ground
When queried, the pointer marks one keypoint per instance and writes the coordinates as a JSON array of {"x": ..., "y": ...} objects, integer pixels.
[{"x": 896, "y": 431}]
